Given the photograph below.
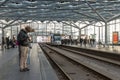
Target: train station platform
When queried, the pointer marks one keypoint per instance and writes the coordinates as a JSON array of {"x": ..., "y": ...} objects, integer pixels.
[
  {"x": 40, "y": 68},
  {"x": 109, "y": 48}
]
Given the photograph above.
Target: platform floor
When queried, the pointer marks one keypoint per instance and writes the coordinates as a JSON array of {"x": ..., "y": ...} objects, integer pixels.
[
  {"x": 114, "y": 49},
  {"x": 40, "y": 68}
]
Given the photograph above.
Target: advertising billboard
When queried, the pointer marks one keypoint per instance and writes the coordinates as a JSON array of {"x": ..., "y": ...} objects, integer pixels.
[{"x": 115, "y": 38}]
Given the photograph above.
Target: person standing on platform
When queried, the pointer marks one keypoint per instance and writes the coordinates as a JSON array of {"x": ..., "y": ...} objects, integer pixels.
[
  {"x": 81, "y": 42},
  {"x": 30, "y": 47},
  {"x": 23, "y": 40},
  {"x": 85, "y": 41},
  {"x": 7, "y": 42},
  {"x": 3, "y": 43}
]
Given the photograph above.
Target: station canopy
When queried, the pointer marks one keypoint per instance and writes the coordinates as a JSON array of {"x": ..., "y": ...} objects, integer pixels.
[{"x": 60, "y": 10}]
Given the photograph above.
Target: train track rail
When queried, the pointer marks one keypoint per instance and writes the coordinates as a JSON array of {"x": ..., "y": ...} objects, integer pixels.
[
  {"x": 105, "y": 68},
  {"x": 73, "y": 68},
  {"x": 113, "y": 58},
  {"x": 59, "y": 71}
]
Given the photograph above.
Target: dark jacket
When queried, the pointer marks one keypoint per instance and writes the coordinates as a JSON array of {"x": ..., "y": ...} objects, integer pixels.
[{"x": 22, "y": 38}]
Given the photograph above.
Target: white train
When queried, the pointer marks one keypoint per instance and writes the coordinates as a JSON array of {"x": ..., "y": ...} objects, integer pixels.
[{"x": 55, "y": 39}]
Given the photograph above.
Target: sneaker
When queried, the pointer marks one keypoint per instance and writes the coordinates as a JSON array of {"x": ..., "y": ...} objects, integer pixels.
[
  {"x": 22, "y": 70},
  {"x": 27, "y": 69}
]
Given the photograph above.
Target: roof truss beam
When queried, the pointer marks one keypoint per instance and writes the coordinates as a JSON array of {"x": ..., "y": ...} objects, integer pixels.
[
  {"x": 3, "y": 3},
  {"x": 114, "y": 17},
  {"x": 71, "y": 25},
  {"x": 103, "y": 19}
]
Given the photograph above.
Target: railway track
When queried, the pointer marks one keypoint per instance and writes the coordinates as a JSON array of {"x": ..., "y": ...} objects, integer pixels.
[
  {"x": 113, "y": 58},
  {"x": 72, "y": 68},
  {"x": 59, "y": 71},
  {"x": 105, "y": 68}
]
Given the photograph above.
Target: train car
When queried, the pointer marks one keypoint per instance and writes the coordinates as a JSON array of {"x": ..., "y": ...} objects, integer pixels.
[{"x": 55, "y": 39}]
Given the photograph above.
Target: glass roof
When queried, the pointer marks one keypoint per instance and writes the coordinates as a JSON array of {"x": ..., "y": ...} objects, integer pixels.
[{"x": 59, "y": 10}]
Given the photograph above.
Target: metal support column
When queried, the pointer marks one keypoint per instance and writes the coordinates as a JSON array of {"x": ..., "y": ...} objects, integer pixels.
[
  {"x": 3, "y": 39},
  {"x": 45, "y": 28},
  {"x": 85, "y": 30},
  {"x": 99, "y": 36},
  {"x": 115, "y": 25},
  {"x": 94, "y": 29},
  {"x": 54, "y": 27},
  {"x": 46, "y": 31},
  {"x": 79, "y": 32},
  {"x": 71, "y": 32},
  {"x": 20, "y": 26},
  {"x": 79, "y": 37},
  {"x": 106, "y": 33},
  {"x": 62, "y": 28},
  {"x": 99, "y": 41},
  {"x": 102, "y": 33},
  {"x": 11, "y": 32},
  {"x": 17, "y": 30}
]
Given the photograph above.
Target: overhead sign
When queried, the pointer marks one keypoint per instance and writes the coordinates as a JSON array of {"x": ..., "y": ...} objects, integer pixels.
[{"x": 43, "y": 39}]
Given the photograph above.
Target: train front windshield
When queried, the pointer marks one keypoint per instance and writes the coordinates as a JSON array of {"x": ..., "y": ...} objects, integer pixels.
[{"x": 57, "y": 38}]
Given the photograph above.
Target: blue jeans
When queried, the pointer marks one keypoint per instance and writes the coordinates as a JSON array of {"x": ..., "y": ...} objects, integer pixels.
[{"x": 28, "y": 58}]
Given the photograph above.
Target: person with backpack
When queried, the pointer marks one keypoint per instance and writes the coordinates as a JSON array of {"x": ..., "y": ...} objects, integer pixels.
[{"x": 23, "y": 41}]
